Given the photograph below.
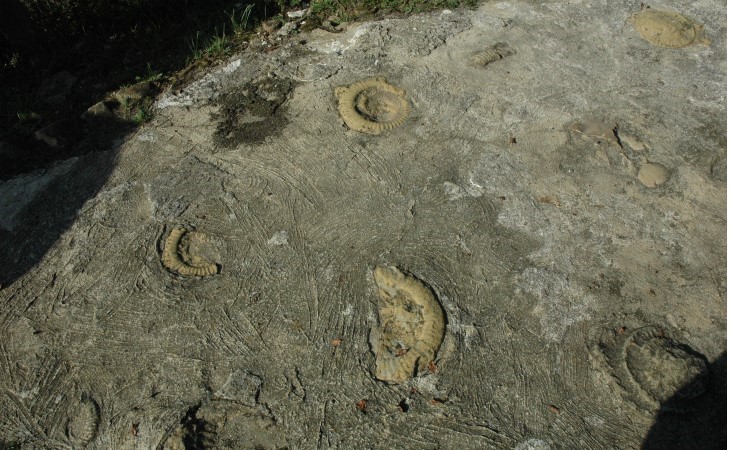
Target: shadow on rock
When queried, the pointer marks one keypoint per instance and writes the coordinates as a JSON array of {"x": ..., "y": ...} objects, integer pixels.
[
  {"x": 702, "y": 428},
  {"x": 37, "y": 207}
]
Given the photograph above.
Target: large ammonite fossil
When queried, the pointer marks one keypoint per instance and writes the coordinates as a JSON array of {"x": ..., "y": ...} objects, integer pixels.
[
  {"x": 412, "y": 325},
  {"x": 372, "y": 105}
]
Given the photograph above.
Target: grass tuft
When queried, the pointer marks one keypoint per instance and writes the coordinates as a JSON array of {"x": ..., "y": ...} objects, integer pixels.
[
  {"x": 142, "y": 115},
  {"x": 151, "y": 75}
]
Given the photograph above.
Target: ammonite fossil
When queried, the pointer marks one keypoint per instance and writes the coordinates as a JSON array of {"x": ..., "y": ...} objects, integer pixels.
[
  {"x": 372, "y": 106},
  {"x": 181, "y": 254},
  {"x": 412, "y": 325}
]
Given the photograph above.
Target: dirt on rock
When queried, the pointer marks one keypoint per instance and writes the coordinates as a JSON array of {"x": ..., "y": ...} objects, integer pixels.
[{"x": 249, "y": 114}]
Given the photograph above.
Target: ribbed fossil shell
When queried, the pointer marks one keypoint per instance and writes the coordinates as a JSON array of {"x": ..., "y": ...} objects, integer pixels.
[
  {"x": 179, "y": 254},
  {"x": 498, "y": 51},
  {"x": 412, "y": 325},
  {"x": 663, "y": 367},
  {"x": 658, "y": 371},
  {"x": 667, "y": 29},
  {"x": 372, "y": 106},
  {"x": 82, "y": 425}
]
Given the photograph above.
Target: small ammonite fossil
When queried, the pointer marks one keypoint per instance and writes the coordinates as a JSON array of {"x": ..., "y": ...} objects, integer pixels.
[
  {"x": 412, "y": 326},
  {"x": 498, "y": 51},
  {"x": 83, "y": 423},
  {"x": 667, "y": 29},
  {"x": 372, "y": 106},
  {"x": 181, "y": 253}
]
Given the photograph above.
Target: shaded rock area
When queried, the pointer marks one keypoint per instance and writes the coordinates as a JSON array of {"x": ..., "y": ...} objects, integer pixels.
[{"x": 560, "y": 204}]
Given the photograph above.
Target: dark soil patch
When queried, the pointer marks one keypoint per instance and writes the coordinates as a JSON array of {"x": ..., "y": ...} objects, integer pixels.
[{"x": 251, "y": 115}]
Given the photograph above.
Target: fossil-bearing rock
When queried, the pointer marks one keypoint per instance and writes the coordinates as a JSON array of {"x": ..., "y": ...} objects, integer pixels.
[{"x": 372, "y": 106}]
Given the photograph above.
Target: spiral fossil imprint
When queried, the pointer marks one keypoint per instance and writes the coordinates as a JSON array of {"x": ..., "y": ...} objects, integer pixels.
[
  {"x": 372, "y": 105},
  {"x": 659, "y": 371},
  {"x": 178, "y": 258},
  {"x": 412, "y": 325}
]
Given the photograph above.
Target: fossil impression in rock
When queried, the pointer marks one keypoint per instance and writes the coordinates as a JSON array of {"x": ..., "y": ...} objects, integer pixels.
[
  {"x": 667, "y": 29},
  {"x": 83, "y": 423},
  {"x": 498, "y": 51},
  {"x": 412, "y": 325},
  {"x": 372, "y": 106},
  {"x": 658, "y": 371},
  {"x": 179, "y": 254}
]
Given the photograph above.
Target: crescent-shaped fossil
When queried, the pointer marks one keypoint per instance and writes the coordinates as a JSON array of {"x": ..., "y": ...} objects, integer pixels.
[
  {"x": 178, "y": 258},
  {"x": 412, "y": 325},
  {"x": 83, "y": 423},
  {"x": 372, "y": 105},
  {"x": 496, "y": 52}
]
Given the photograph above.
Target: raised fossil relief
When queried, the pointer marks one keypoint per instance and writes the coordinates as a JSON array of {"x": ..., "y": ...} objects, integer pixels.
[
  {"x": 184, "y": 253},
  {"x": 83, "y": 423},
  {"x": 657, "y": 371},
  {"x": 412, "y": 325},
  {"x": 494, "y": 53},
  {"x": 667, "y": 29},
  {"x": 372, "y": 106}
]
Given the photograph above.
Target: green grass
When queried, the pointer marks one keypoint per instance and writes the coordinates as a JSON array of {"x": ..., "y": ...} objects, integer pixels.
[
  {"x": 151, "y": 75},
  {"x": 142, "y": 115},
  {"x": 219, "y": 46},
  {"x": 113, "y": 44},
  {"x": 348, "y": 10},
  {"x": 241, "y": 21},
  {"x": 28, "y": 116},
  {"x": 216, "y": 45}
]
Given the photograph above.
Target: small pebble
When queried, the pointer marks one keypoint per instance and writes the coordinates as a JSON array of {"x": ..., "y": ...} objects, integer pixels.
[{"x": 653, "y": 174}]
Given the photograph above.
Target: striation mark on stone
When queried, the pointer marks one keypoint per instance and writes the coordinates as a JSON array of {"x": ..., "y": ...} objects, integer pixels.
[
  {"x": 179, "y": 254},
  {"x": 494, "y": 53},
  {"x": 667, "y": 29},
  {"x": 372, "y": 105},
  {"x": 412, "y": 324},
  {"x": 658, "y": 371}
]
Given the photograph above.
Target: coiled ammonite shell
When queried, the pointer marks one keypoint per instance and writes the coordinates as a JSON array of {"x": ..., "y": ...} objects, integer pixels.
[
  {"x": 372, "y": 105},
  {"x": 180, "y": 256},
  {"x": 657, "y": 371},
  {"x": 412, "y": 325}
]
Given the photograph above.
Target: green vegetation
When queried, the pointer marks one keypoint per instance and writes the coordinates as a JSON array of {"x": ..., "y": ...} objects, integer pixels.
[
  {"x": 151, "y": 75},
  {"x": 100, "y": 46},
  {"x": 28, "y": 116},
  {"x": 348, "y": 10},
  {"x": 241, "y": 22},
  {"x": 215, "y": 46},
  {"x": 142, "y": 115}
]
